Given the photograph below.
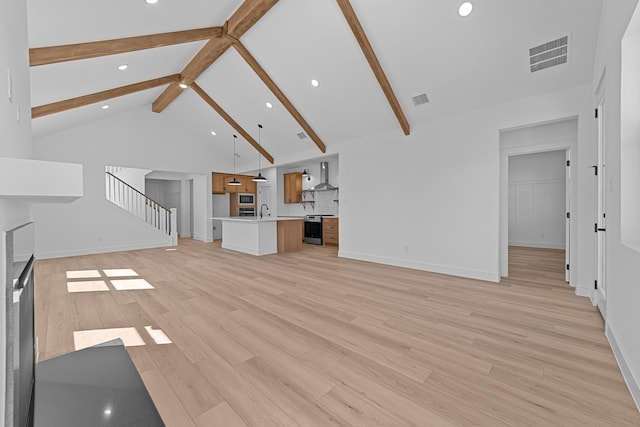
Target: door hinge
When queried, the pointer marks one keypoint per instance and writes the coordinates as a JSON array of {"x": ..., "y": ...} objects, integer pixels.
[
  {"x": 567, "y": 266},
  {"x": 568, "y": 215},
  {"x": 595, "y": 169},
  {"x": 595, "y": 283},
  {"x": 596, "y": 113},
  {"x": 568, "y": 162}
]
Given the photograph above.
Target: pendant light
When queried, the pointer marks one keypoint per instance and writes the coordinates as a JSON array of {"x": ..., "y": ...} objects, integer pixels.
[
  {"x": 259, "y": 178},
  {"x": 234, "y": 181}
]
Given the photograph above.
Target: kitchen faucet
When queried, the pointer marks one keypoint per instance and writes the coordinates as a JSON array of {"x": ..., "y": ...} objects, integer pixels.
[{"x": 262, "y": 206}]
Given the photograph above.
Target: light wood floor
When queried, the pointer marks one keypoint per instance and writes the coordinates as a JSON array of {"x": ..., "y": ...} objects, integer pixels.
[{"x": 309, "y": 339}]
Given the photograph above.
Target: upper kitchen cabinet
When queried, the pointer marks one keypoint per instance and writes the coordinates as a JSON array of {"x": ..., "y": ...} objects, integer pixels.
[
  {"x": 247, "y": 184},
  {"x": 217, "y": 183},
  {"x": 293, "y": 187}
]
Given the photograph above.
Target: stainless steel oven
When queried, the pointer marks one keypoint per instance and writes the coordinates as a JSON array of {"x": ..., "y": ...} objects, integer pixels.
[
  {"x": 246, "y": 211},
  {"x": 313, "y": 229}
]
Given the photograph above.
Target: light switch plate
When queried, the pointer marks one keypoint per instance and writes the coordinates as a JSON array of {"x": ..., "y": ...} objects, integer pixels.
[{"x": 9, "y": 86}]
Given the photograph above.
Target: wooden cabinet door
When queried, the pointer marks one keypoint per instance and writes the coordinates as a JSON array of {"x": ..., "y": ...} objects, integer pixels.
[
  {"x": 248, "y": 184},
  {"x": 293, "y": 187},
  {"x": 330, "y": 231},
  {"x": 230, "y": 188},
  {"x": 217, "y": 183}
]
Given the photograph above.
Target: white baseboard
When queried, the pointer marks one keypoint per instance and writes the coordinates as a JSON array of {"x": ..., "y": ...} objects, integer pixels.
[
  {"x": 185, "y": 235},
  {"x": 442, "y": 269},
  {"x": 251, "y": 251},
  {"x": 632, "y": 383},
  {"x": 538, "y": 245},
  {"x": 100, "y": 250},
  {"x": 585, "y": 292}
]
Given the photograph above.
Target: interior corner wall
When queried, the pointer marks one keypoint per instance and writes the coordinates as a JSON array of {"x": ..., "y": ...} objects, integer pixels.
[
  {"x": 137, "y": 138},
  {"x": 16, "y": 139},
  {"x": 436, "y": 206},
  {"x": 623, "y": 262}
]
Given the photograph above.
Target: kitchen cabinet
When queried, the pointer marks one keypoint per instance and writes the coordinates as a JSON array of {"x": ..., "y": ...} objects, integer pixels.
[
  {"x": 248, "y": 185},
  {"x": 217, "y": 183},
  {"x": 330, "y": 231},
  {"x": 293, "y": 187}
]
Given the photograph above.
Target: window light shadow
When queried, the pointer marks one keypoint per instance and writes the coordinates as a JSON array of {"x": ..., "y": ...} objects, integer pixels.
[
  {"x": 158, "y": 335},
  {"x": 120, "y": 272},
  {"x": 87, "y": 286},
  {"x": 129, "y": 336},
  {"x": 83, "y": 274},
  {"x": 131, "y": 284}
]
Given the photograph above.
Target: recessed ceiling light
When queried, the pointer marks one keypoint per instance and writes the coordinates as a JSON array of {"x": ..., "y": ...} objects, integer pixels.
[
  {"x": 314, "y": 83},
  {"x": 269, "y": 105},
  {"x": 123, "y": 67},
  {"x": 182, "y": 85},
  {"x": 151, "y": 1},
  {"x": 105, "y": 106},
  {"x": 213, "y": 133},
  {"x": 465, "y": 9}
]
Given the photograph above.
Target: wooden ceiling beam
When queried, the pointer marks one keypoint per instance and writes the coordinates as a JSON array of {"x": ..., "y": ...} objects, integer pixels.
[
  {"x": 81, "y": 101},
  {"x": 239, "y": 23},
  {"x": 370, "y": 55},
  {"x": 74, "y": 52},
  {"x": 257, "y": 68},
  {"x": 197, "y": 89},
  {"x": 247, "y": 15}
]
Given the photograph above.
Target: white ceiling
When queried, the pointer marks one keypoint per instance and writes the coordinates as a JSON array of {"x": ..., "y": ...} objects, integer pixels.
[{"x": 423, "y": 46}]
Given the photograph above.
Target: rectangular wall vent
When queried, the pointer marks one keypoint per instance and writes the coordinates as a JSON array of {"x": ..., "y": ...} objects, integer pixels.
[
  {"x": 549, "y": 54},
  {"x": 420, "y": 99},
  {"x": 301, "y": 135}
]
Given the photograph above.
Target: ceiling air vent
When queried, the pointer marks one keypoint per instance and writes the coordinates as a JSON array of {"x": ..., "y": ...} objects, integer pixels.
[
  {"x": 549, "y": 54},
  {"x": 420, "y": 99},
  {"x": 301, "y": 135}
]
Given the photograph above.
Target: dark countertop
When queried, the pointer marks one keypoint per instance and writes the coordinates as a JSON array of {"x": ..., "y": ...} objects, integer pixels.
[{"x": 97, "y": 386}]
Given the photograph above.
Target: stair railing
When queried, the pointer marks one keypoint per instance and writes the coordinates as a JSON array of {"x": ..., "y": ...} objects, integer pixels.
[{"x": 140, "y": 205}]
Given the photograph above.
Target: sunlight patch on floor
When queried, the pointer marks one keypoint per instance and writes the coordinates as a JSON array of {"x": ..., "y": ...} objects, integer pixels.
[
  {"x": 120, "y": 272},
  {"x": 131, "y": 284},
  {"x": 87, "y": 286},
  {"x": 83, "y": 274}
]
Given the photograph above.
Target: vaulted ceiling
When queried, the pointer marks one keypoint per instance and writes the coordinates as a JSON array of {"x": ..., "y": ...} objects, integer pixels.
[{"x": 269, "y": 51}]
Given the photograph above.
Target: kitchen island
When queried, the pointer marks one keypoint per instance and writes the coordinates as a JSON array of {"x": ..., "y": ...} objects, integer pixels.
[{"x": 262, "y": 236}]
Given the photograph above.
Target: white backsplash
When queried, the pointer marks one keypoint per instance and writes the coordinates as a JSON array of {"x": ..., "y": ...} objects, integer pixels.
[{"x": 324, "y": 202}]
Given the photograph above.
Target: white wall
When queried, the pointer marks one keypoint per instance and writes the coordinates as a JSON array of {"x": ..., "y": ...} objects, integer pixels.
[
  {"x": 139, "y": 139},
  {"x": 537, "y": 202},
  {"x": 623, "y": 265},
  {"x": 15, "y": 138},
  {"x": 432, "y": 200},
  {"x": 132, "y": 176}
]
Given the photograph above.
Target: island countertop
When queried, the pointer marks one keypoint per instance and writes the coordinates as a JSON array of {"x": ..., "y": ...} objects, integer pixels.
[{"x": 257, "y": 218}]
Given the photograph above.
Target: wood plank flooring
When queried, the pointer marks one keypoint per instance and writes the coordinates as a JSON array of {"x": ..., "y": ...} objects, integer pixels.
[{"x": 309, "y": 339}]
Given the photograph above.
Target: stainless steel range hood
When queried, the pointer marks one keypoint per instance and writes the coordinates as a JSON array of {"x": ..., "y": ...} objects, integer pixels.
[{"x": 324, "y": 178}]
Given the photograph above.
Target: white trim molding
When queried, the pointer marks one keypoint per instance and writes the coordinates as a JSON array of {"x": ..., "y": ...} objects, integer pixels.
[{"x": 632, "y": 383}]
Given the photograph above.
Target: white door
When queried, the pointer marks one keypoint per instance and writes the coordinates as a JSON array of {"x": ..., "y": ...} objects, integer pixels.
[
  {"x": 264, "y": 198},
  {"x": 600, "y": 226},
  {"x": 567, "y": 227}
]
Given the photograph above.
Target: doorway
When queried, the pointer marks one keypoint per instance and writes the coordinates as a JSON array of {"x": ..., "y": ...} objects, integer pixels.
[
  {"x": 558, "y": 136},
  {"x": 600, "y": 171}
]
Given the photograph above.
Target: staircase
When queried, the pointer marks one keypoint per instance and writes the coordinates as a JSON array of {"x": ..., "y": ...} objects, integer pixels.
[{"x": 142, "y": 207}]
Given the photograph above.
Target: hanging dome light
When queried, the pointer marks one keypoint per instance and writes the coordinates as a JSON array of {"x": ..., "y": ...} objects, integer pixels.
[
  {"x": 234, "y": 181},
  {"x": 259, "y": 177}
]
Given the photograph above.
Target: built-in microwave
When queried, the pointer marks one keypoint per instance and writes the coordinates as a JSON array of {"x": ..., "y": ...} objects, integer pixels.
[{"x": 246, "y": 199}]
